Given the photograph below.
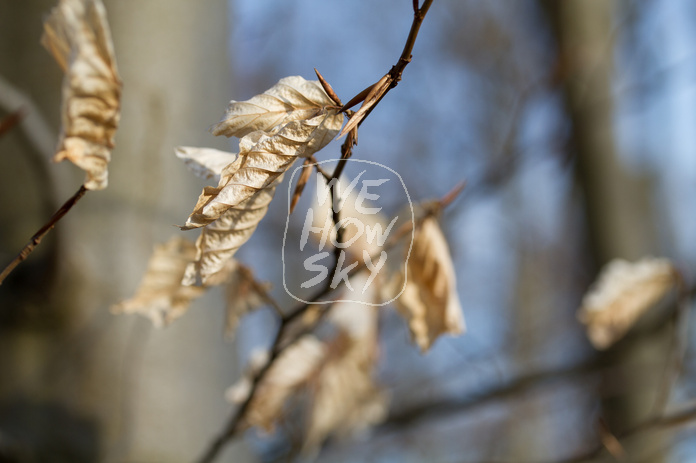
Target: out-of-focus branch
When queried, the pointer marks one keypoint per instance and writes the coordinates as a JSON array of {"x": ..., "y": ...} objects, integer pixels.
[
  {"x": 403, "y": 418},
  {"x": 676, "y": 419}
]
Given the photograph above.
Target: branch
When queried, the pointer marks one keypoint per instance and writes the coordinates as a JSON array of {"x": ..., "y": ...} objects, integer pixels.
[
  {"x": 372, "y": 95},
  {"x": 39, "y": 235},
  {"x": 668, "y": 421}
]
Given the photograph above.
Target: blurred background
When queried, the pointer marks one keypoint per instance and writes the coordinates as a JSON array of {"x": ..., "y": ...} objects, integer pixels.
[{"x": 571, "y": 122}]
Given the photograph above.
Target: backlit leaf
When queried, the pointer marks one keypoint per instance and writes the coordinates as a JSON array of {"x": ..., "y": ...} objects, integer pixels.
[
  {"x": 219, "y": 241},
  {"x": 263, "y": 160},
  {"x": 77, "y": 35},
  {"x": 292, "y": 98},
  {"x": 429, "y": 301},
  {"x": 206, "y": 163}
]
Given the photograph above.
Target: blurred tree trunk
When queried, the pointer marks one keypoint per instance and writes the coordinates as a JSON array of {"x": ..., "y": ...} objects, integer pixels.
[
  {"x": 616, "y": 202},
  {"x": 79, "y": 384}
]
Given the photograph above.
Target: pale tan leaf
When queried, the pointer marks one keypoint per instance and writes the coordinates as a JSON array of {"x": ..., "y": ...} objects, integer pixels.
[
  {"x": 244, "y": 294},
  {"x": 623, "y": 294},
  {"x": 77, "y": 35},
  {"x": 219, "y": 241},
  {"x": 264, "y": 158},
  {"x": 161, "y": 296},
  {"x": 429, "y": 301},
  {"x": 291, "y": 370},
  {"x": 292, "y": 98},
  {"x": 207, "y": 163}
]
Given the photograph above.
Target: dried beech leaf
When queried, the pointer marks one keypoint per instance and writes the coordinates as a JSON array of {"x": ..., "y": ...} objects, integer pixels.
[
  {"x": 292, "y": 98},
  {"x": 263, "y": 160},
  {"x": 244, "y": 294},
  {"x": 291, "y": 370},
  {"x": 429, "y": 301},
  {"x": 206, "y": 163},
  {"x": 77, "y": 35},
  {"x": 219, "y": 241},
  {"x": 161, "y": 297},
  {"x": 623, "y": 293}
]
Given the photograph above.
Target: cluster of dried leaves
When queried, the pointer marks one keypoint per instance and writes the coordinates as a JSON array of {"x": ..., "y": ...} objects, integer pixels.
[{"x": 329, "y": 378}]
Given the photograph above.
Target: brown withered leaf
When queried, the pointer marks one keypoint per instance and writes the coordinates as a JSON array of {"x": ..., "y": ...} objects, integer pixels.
[
  {"x": 244, "y": 294},
  {"x": 292, "y": 98},
  {"x": 207, "y": 163},
  {"x": 376, "y": 92},
  {"x": 623, "y": 294},
  {"x": 77, "y": 35},
  {"x": 429, "y": 301},
  {"x": 161, "y": 296},
  {"x": 288, "y": 374},
  {"x": 263, "y": 159}
]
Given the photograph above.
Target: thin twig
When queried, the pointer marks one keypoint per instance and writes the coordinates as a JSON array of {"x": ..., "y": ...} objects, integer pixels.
[
  {"x": 376, "y": 92},
  {"x": 39, "y": 235}
]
